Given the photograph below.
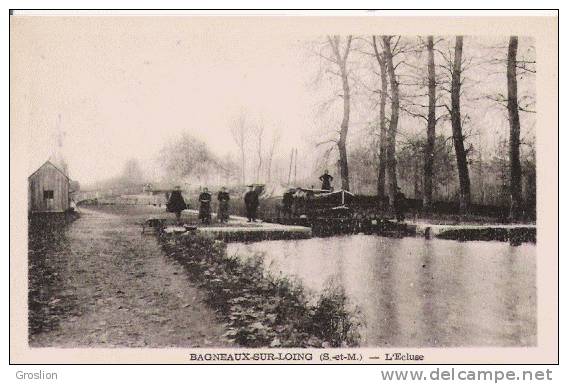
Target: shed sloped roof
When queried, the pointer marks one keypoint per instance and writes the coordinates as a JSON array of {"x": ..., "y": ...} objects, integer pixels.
[{"x": 46, "y": 164}]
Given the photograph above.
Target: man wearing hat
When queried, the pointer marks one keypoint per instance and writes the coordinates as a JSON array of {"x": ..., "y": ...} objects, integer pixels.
[
  {"x": 287, "y": 201},
  {"x": 326, "y": 180},
  {"x": 251, "y": 203},
  {"x": 205, "y": 206},
  {"x": 176, "y": 203},
  {"x": 223, "y": 197}
]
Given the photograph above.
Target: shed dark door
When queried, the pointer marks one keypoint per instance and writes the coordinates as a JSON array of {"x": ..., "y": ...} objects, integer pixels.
[{"x": 48, "y": 198}]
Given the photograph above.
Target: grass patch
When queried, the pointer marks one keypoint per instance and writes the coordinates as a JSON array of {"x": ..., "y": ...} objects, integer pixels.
[
  {"x": 48, "y": 302},
  {"x": 262, "y": 310}
]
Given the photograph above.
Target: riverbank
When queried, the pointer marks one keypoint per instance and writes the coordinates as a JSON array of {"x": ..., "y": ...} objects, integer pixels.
[
  {"x": 262, "y": 310},
  {"x": 452, "y": 227},
  {"x": 515, "y": 234}
]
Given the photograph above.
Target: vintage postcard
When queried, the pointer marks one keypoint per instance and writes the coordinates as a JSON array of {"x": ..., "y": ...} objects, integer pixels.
[{"x": 207, "y": 188}]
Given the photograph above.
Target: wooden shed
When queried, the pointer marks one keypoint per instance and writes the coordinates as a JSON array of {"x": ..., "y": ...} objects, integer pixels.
[{"x": 48, "y": 190}]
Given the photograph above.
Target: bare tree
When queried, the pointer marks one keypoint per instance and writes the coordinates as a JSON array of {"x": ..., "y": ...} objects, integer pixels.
[
  {"x": 229, "y": 169},
  {"x": 188, "y": 157},
  {"x": 273, "y": 145},
  {"x": 259, "y": 133},
  {"x": 341, "y": 55},
  {"x": 290, "y": 168},
  {"x": 382, "y": 122},
  {"x": 431, "y": 127},
  {"x": 457, "y": 134},
  {"x": 520, "y": 70},
  {"x": 515, "y": 183},
  {"x": 393, "y": 124},
  {"x": 240, "y": 133}
]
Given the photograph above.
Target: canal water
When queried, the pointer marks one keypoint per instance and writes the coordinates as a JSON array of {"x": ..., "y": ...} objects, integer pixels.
[{"x": 412, "y": 292}]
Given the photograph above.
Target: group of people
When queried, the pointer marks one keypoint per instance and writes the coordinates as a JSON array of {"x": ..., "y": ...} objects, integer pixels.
[
  {"x": 298, "y": 201},
  {"x": 176, "y": 204},
  {"x": 295, "y": 201},
  {"x": 205, "y": 198},
  {"x": 400, "y": 203}
]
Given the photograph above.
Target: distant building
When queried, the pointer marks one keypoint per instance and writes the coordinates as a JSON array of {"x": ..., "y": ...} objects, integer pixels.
[
  {"x": 148, "y": 189},
  {"x": 48, "y": 190}
]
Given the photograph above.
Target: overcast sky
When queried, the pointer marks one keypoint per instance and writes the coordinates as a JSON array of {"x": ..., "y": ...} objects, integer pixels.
[{"x": 124, "y": 86}]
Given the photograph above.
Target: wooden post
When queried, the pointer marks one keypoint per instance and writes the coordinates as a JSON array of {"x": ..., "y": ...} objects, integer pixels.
[{"x": 295, "y": 165}]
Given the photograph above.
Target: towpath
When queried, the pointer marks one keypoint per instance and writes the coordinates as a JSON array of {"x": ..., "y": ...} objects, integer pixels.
[{"x": 125, "y": 291}]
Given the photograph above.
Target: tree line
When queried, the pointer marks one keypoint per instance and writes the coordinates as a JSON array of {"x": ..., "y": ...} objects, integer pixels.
[
  {"x": 257, "y": 158},
  {"x": 423, "y": 78}
]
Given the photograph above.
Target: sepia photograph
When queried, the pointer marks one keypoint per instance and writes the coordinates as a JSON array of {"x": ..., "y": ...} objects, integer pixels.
[{"x": 285, "y": 186}]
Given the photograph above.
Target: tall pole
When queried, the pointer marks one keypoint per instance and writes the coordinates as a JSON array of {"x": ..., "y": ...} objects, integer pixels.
[
  {"x": 290, "y": 168},
  {"x": 295, "y": 165}
]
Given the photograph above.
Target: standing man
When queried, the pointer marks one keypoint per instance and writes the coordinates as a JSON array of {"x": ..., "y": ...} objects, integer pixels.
[
  {"x": 205, "y": 206},
  {"x": 287, "y": 201},
  {"x": 399, "y": 205},
  {"x": 251, "y": 203},
  {"x": 176, "y": 203},
  {"x": 326, "y": 180},
  {"x": 223, "y": 197}
]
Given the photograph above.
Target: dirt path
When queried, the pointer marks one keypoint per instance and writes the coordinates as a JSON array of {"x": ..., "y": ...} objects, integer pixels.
[{"x": 127, "y": 293}]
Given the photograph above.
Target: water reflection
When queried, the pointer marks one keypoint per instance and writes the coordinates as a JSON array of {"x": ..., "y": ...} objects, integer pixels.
[
  {"x": 416, "y": 292},
  {"x": 427, "y": 290}
]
